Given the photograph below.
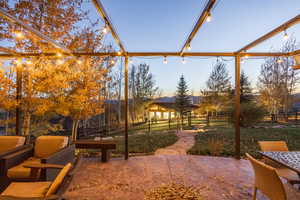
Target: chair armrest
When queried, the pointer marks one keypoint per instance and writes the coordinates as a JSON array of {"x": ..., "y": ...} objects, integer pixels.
[
  {"x": 14, "y": 150},
  {"x": 43, "y": 166},
  {"x": 62, "y": 157},
  {"x": 14, "y": 159},
  {"x": 52, "y": 197}
]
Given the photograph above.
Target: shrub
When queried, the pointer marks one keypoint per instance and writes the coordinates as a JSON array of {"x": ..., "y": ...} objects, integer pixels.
[{"x": 251, "y": 114}]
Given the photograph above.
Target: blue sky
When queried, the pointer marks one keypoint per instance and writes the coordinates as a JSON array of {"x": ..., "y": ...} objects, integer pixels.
[{"x": 163, "y": 25}]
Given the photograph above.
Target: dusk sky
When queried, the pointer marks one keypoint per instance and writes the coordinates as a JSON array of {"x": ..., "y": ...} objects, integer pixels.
[{"x": 163, "y": 25}]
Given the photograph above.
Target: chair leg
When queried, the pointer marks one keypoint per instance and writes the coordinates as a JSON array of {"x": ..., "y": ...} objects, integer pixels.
[{"x": 254, "y": 193}]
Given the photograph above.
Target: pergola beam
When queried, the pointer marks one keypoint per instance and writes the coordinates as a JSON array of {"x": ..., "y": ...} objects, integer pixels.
[
  {"x": 106, "y": 19},
  {"x": 270, "y": 34},
  {"x": 147, "y": 54},
  {"x": 199, "y": 23},
  {"x": 295, "y": 52},
  {"x": 13, "y": 20},
  {"x": 7, "y": 50}
]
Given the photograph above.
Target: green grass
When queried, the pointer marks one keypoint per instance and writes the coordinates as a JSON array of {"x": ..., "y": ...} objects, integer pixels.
[
  {"x": 147, "y": 143},
  {"x": 220, "y": 141}
]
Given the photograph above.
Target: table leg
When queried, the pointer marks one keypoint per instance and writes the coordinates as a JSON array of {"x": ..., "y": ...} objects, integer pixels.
[{"x": 105, "y": 155}]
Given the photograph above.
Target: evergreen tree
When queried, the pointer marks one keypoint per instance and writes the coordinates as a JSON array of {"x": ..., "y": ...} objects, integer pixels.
[
  {"x": 245, "y": 87},
  {"x": 182, "y": 99}
]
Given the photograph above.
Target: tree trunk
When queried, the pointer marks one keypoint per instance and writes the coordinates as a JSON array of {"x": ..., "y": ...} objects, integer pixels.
[
  {"x": 26, "y": 123},
  {"x": 75, "y": 129}
]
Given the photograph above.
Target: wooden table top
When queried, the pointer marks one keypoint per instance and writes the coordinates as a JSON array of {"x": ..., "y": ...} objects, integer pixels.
[
  {"x": 95, "y": 144},
  {"x": 289, "y": 159}
]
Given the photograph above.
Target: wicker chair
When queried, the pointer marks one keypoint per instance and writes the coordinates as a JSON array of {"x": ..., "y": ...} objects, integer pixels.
[
  {"x": 47, "y": 149},
  {"x": 46, "y": 190},
  {"x": 269, "y": 183},
  {"x": 282, "y": 171}
]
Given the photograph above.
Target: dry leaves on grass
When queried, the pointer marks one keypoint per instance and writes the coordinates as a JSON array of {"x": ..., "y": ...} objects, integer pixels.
[{"x": 174, "y": 191}]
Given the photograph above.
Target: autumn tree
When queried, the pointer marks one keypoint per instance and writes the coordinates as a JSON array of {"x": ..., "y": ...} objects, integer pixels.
[{"x": 278, "y": 81}]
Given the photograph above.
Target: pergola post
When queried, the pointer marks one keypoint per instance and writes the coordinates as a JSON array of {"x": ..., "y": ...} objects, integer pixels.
[
  {"x": 18, "y": 98},
  {"x": 126, "y": 107},
  {"x": 237, "y": 106}
]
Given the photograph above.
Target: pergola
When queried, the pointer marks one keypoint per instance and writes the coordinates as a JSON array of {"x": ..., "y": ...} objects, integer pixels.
[{"x": 243, "y": 52}]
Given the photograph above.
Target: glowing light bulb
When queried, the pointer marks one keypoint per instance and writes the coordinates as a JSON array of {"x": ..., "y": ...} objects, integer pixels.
[
  {"x": 279, "y": 61},
  {"x": 246, "y": 56},
  {"x": 28, "y": 62},
  {"x": 189, "y": 47},
  {"x": 105, "y": 29},
  {"x": 112, "y": 62},
  {"x": 59, "y": 62},
  {"x": 119, "y": 53},
  {"x": 79, "y": 61},
  {"x": 19, "y": 34},
  {"x": 208, "y": 18},
  {"x": 165, "y": 60},
  {"x": 18, "y": 62},
  {"x": 59, "y": 54},
  {"x": 285, "y": 36},
  {"x": 183, "y": 60}
]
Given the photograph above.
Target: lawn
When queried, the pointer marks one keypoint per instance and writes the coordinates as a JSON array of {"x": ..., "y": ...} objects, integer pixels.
[
  {"x": 220, "y": 141},
  {"x": 147, "y": 143}
]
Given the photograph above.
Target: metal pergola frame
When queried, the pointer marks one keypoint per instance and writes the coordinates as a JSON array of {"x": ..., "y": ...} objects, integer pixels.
[{"x": 8, "y": 53}]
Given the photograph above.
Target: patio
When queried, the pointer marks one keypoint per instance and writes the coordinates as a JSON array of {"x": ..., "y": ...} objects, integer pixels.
[{"x": 216, "y": 177}]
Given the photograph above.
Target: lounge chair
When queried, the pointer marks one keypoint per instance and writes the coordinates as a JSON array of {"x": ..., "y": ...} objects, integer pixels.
[
  {"x": 269, "y": 183},
  {"x": 44, "y": 190},
  {"x": 9, "y": 145},
  {"x": 282, "y": 171},
  {"x": 47, "y": 149}
]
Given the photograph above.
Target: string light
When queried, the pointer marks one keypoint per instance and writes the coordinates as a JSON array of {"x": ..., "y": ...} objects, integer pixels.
[
  {"x": 183, "y": 60},
  {"x": 165, "y": 60},
  {"x": 59, "y": 54},
  {"x": 285, "y": 36},
  {"x": 119, "y": 53},
  {"x": 112, "y": 62},
  {"x": 208, "y": 18}
]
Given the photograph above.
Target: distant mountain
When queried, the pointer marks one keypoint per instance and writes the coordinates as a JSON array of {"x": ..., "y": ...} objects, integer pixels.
[{"x": 194, "y": 99}]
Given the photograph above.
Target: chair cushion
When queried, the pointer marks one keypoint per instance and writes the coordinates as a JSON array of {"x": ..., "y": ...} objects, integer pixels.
[
  {"x": 48, "y": 145},
  {"x": 288, "y": 174},
  {"x": 27, "y": 189},
  {"x": 10, "y": 142},
  {"x": 21, "y": 172},
  {"x": 291, "y": 192},
  {"x": 59, "y": 179}
]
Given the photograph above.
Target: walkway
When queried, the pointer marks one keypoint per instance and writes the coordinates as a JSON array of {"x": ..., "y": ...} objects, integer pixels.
[{"x": 185, "y": 142}]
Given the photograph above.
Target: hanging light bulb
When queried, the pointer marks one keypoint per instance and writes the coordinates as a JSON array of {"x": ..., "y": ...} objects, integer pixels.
[
  {"x": 279, "y": 61},
  {"x": 19, "y": 34},
  {"x": 285, "y": 36},
  {"x": 189, "y": 47},
  {"x": 208, "y": 18},
  {"x": 246, "y": 56},
  {"x": 165, "y": 60},
  {"x": 105, "y": 29},
  {"x": 59, "y": 62},
  {"x": 59, "y": 54},
  {"x": 242, "y": 61},
  {"x": 119, "y": 53},
  {"x": 28, "y": 62},
  {"x": 79, "y": 62},
  {"x": 18, "y": 61},
  {"x": 183, "y": 60},
  {"x": 112, "y": 62}
]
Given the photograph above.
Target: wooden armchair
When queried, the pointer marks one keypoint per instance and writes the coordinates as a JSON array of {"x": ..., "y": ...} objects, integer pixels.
[
  {"x": 46, "y": 190},
  {"x": 282, "y": 171},
  {"x": 47, "y": 149}
]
